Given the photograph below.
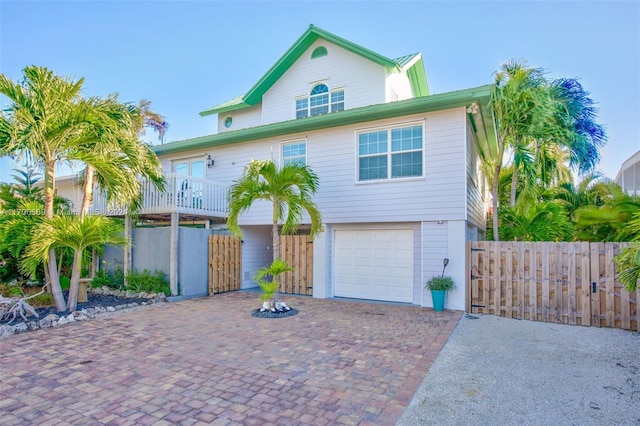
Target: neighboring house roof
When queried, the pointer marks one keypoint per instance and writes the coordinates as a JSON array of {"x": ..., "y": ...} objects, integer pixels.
[
  {"x": 629, "y": 162},
  {"x": 410, "y": 63},
  {"x": 481, "y": 119}
]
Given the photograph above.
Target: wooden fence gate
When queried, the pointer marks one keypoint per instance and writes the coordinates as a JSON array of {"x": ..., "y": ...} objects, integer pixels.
[
  {"x": 297, "y": 251},
  {"x": 570, "y": 283},
  {"x": 225, "y": 266}
]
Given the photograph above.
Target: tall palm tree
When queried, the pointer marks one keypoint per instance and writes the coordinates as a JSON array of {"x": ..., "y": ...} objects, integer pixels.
[
  {"x": 77, "y": 233},
  {"x": 48, "y": 121},
  {"x": 576, "y": 115},
  {"x": 118, "y": 164},
  {"x": 289, "y": 189},
  {"x": 518, "y": 100}
]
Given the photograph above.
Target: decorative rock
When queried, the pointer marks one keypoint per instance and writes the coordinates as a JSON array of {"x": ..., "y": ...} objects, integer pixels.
[
  {"x": 110, "y": 309},
  {"x": 62, "y": 321},
  {"x": 32, "y": 325},
  {"x": 6, "y": 330},
  {"x": 71, "y": 318},
  {"x": 20, "y": 327},
  {"x": 48, "y": 321}
]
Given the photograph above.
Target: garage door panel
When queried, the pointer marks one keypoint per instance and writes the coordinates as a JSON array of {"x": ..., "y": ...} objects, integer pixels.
[{"x": 374, "y": 264}]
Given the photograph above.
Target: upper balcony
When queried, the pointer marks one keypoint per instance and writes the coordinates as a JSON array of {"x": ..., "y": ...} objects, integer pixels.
[{"x": 190, "y": 197}]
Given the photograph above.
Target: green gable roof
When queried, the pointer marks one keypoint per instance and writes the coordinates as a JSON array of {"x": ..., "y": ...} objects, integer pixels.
[
  {"x": 313, "y": 33},
  {"x": 481, "y": 120}
]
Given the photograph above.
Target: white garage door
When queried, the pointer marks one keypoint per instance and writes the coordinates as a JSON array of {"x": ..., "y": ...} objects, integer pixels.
[{"x": 374, "y": 264}]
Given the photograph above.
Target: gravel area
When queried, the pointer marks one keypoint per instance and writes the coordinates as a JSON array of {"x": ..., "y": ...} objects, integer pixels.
[{"x": 496, "y": 370}]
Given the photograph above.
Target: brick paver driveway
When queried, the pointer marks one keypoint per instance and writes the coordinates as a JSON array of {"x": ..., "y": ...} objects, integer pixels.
[{"x": 208, "y": 361}]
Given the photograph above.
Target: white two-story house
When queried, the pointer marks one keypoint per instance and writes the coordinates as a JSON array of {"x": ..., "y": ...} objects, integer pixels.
[{"x": 401, "y": 186}]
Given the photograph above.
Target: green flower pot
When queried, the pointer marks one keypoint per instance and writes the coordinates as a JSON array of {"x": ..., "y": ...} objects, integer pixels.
[{"x": 438, "y": 299}]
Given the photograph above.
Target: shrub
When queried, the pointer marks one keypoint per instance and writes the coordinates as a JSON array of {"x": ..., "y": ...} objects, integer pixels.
[
  {"x": 150, "y": 282},
  {"x": 65, "y": 283},
  {"x": 44, "y": 299},
  {"x": 109, "y": 279}
]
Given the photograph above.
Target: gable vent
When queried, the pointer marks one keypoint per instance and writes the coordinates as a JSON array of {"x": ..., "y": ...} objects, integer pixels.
[{"x": 319, "y": 52}]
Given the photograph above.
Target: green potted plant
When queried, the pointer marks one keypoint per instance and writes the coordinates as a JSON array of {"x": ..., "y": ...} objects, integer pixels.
[{"x": 439, "y": 285}]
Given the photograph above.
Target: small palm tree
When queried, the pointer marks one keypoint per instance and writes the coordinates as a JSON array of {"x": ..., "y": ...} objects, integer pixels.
[
  {"x": 271, "y": 288},
  {"x": 77, "y": 233},
  {"x": 290, "y": 190}
]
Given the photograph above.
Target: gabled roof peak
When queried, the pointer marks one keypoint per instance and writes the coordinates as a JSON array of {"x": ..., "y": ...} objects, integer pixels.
[{"x": 313, "y": 33}]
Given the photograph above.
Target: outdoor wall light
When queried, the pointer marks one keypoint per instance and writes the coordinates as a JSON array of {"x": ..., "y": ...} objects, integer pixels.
[{"x": 210, "y": 161}]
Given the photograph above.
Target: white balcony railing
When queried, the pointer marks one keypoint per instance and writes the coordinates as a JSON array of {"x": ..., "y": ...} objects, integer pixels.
[{"x": 182, "y": 194}]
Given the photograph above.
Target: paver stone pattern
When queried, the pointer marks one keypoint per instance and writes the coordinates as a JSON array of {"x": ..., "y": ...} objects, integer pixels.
[{"x": 208, "y": 361}]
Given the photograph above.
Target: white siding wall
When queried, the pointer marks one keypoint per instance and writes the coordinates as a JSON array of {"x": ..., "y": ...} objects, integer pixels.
[
  {"x": 476, "y": 183},
  {"x": 398, "y": 83},
  {"x": 434, "y": 236},
  {"x": 362, "y": 80},
  {"x": 68, "y": 188},
  {"x": 439, "y": 195},
  {"x": 242, "y": 119},
  {"x": 256, "y": 252}
]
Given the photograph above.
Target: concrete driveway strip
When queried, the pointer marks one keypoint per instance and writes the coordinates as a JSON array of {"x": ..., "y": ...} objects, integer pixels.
[
  {"x": 499, "y": 371},
  {"x": 208, "y": 361}
]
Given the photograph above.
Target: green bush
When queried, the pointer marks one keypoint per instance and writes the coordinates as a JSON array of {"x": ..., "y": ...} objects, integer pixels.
[
  {"x": 150, "y": 282},
  {"x": 109, "y": 279},
  {"x": 65, "y": 283}
]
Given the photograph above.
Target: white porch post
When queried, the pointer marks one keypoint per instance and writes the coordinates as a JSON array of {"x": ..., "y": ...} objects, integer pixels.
[
  {"x": 173, "y": 253},
  {"x": 126, "y": 261}
]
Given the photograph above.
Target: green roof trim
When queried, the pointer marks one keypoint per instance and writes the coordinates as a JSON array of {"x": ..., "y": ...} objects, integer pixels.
[
  {"x": 459, "y": 98},
  {"x": 418, "y": 79},
  {"x": 313, "y": 33}
]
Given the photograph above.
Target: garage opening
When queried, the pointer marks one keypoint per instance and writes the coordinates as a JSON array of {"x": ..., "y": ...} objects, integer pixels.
[{"x": 374, "y": 264}]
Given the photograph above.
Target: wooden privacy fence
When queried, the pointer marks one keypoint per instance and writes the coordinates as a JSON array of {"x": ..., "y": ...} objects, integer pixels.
[
  {"x": 569, "y": 283},
  {"x": 225, "y": 266},
  {"x": 297, "y": 251}
]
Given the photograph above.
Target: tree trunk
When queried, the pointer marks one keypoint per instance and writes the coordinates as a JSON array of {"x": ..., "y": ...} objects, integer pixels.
[
  {"x": 49, "y": 192},
  {"x": 514, "y": 185},
  {"x": 74, "y": 287},
  {"x": 495, "y": 188},
  {"x": 87, "y": 191}
]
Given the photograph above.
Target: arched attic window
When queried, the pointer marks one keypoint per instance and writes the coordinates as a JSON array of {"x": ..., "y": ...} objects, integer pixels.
[
  {"x": 318, "y": 52},
  {"x": 321, "y": 100}
]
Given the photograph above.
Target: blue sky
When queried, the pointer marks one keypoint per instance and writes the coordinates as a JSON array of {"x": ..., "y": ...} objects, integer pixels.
[{"x": 185, "y": 56}]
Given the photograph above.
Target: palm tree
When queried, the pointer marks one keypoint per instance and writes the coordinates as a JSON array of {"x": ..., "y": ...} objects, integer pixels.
[
  {"x": 117, "y": 165},
  {"x": 628, "y": 261},
  {"x": 576, "y": 115},
  {"x": 543, "y": 221},
  {"x": 289, "y": 189},
  {"x": 518, "y": 100},
  {"x": 49, "y": 121},
  {"x": 76, "y": 233}
]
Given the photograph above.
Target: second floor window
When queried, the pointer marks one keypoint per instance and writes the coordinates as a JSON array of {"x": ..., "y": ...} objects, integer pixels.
[
  {"x": 320, "y": 101},
  {"x": 390, "y": 153},
  {"x": 294, "y": 152}
]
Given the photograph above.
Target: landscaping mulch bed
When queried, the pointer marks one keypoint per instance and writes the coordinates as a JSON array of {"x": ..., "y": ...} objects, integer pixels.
[
  {"x": 277, "y": 314},
  {"x": 93, "y": 300}
]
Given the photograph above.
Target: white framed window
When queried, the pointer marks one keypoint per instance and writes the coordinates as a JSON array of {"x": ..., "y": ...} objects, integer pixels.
[
  {"x": 390, "y": 153},
  {"x": 294, "y": 152},
  {"x": 320, "y": 101}
]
